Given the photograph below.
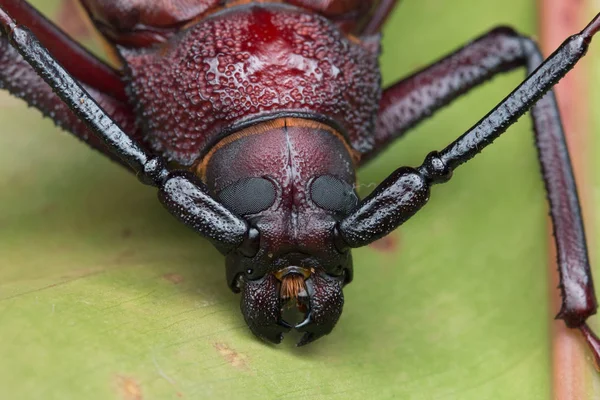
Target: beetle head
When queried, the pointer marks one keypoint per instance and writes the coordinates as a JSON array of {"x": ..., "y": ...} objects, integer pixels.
[
  {"x": 292, "y": 181},
  {"x": 286, "y": 268}
]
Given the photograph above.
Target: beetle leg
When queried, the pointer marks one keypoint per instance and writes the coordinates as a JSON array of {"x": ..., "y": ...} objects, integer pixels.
[
  {"x": 382, "y": 12},
  {"x": 184, "y": 195},
  {"x": 81, "y": 64},
  {"x": 407, "y": 190},
  {"x": 78, "y": 100},
  {"x": 22, "y": 81},
  {"x": 17, "y": 76},
  {"x": 417, "y": 97}
]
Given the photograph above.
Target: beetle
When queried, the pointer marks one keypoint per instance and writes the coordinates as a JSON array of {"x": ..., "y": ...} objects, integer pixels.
[{"x": 251, "y": 117}]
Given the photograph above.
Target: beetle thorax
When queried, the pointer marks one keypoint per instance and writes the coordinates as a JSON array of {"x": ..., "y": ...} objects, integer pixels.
[{"x": 250, "y": 62}]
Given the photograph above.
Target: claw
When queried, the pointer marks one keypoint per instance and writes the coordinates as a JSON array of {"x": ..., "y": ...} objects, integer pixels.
[
  {"x": 261, "y": 307},
  {"x": 326, "y": 303}
]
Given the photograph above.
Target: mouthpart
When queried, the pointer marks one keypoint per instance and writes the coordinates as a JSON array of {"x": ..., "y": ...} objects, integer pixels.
[{"x": 310, "y": 296}]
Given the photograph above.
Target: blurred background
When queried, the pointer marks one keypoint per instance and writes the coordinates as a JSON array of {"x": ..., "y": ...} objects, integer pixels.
[{"x": 104, "y": 295}]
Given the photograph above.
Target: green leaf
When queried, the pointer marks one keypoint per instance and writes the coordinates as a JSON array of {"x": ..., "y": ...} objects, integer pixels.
[{"x": 104, "y": 295}]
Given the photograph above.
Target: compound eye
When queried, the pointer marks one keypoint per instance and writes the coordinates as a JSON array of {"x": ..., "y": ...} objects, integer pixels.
[
  {"x": 248, "y": 196},
  {"x": 333, "y": 194}
]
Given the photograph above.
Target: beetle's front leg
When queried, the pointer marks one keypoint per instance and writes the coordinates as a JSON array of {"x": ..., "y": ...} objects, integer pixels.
[
  {"x": 184, "y": 195},
  {"x": 84, "y": 67},
  {"x": 412, "y": 100},
  {"x": 407, "y": 190},
  {"x": 21, "y": 80}
]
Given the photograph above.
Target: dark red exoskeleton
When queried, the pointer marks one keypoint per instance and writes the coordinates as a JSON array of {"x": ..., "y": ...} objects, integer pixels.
[{"x": 251, "y": 117}]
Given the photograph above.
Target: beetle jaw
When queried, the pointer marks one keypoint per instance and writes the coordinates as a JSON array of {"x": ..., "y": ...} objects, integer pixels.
[{"x": 313, "y": 293}]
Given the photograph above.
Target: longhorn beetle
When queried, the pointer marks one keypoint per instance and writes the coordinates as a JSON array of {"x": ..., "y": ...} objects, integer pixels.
[{"x": 250, "y": 118}]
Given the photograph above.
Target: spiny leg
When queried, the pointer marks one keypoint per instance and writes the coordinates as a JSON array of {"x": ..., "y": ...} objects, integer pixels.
[
  {"x": 17, "y": 76},
  {"x": 417, "y": 97},
  {"x": 402, "y": 194},
  {"x": 81, "y": 64},
  {"x": 180, "y": 192},
  {"x": 382, "y": 12}
]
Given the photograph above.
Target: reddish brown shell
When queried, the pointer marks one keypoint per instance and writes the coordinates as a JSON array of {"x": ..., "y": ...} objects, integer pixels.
[
  {"x": 140, "y": 23},
  {"x": 249, "y": 62}
]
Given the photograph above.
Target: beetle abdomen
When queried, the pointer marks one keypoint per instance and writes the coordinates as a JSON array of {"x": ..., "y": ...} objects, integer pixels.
[{"x": 249, "y": 62}]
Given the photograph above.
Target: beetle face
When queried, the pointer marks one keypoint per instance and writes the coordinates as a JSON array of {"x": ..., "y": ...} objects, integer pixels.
[
  {"x": 294, "y": 205},
  {"x": 298, "y": 264},
  {"x": 307, "y": 277},
  {"x": 316, "y": 294},
  {"x": 302, "y": 283}
]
